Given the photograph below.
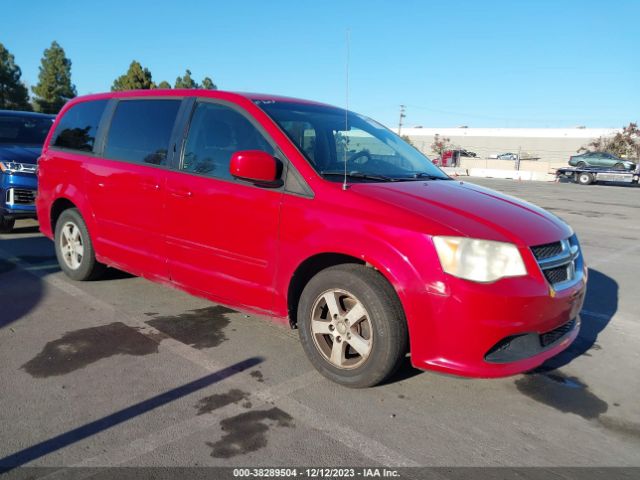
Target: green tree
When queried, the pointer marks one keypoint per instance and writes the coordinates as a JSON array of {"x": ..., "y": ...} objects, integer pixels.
[
  {"x": 54, "y": 86},
  {"x": 13, "y": 93},
  {"x": 407, "y": 139},
  {"x": 164, "y": 84},
  {"x": 208, "y": 84},
  {"x": 625, "y": 144},
  {"x": 186, "y": 81},
  {"x": 136, "y": 78},
  {"x": 440, "y": 144}
]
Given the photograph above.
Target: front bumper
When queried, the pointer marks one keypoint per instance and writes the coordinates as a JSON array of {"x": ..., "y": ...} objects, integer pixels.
[
  {"x": 17, "y": 195},
  {"x": 526, "y": 345},
  {"x": 499, "y": 329}
]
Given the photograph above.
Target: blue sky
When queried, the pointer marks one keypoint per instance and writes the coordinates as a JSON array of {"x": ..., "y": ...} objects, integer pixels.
[{"x": 545, "y": 63}]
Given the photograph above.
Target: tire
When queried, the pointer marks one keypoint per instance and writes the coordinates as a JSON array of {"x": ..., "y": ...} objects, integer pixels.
[
  {"x": 581, "y": 165},
  {"x": 74, "y": 249},
  {"x": 6, "y": 224},
  {"x": 619, "y": 166},
  {"x": 378, "y": 329},
  {"x": 584, "y": 178}
]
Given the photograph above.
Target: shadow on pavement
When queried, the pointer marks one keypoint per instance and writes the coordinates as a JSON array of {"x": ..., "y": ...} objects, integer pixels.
[
  {"x": 600, "y": 305},
  {"x": 26, "y": 229},
  {"x": 77, "y": 434},
  {"x": 405, "y": 371},
  {"x": 20, "y": 291},
  {"x": 113, "y": 274}
]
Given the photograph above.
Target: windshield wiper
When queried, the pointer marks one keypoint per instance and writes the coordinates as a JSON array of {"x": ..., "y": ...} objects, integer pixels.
[
  {"x": 365, "y": 176},
  {"x": 426, "y": 175}
]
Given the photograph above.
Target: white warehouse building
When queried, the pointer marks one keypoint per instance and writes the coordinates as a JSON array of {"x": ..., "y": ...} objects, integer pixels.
[{"x": 550, "y": 147}]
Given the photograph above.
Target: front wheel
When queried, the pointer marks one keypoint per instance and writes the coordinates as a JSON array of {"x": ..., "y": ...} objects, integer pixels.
[
  {"x": 585, "y": 178},
  {"x": 6, "y": 224},
  {"x": 352, "y": 326},
  {"x": 74, "y": 249},
  {"x": 619, "y": 166}
]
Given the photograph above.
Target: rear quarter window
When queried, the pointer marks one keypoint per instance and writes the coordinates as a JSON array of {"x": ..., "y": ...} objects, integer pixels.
[
  {"x": 140, "y": 131},
  {"x": 77, "y": 128}
]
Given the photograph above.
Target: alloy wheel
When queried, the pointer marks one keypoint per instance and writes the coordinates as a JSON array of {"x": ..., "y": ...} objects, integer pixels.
[
  {"x": 341, "y": 329},
  {"x": 71, "y": 245}
]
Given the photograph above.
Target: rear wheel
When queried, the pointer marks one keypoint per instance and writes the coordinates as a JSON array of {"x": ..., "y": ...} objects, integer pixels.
[
  {"x": 6, "y": 224},
  {"x": 74, "y": 248},
  {"x": 585, "y": 178},
  {"x": 581, "y": 165},
  {"x": 352, "y": 326}
]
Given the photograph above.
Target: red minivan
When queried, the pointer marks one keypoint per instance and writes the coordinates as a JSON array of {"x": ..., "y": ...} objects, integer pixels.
[{"x": 315, "y": 216}]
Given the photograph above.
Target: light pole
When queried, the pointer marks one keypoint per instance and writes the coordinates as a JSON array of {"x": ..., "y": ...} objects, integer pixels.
[{"x": 402, "y": 115}]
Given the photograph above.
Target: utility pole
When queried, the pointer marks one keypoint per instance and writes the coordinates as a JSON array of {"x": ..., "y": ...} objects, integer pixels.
[{"x": 402, "y": 115}]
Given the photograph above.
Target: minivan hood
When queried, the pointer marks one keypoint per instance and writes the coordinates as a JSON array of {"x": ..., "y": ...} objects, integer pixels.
[
  {"x": 460, "y": 208},
  {"x": 20, "y": 153}
]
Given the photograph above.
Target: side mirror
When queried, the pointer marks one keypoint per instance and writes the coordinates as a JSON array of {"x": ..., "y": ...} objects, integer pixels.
[{"x": 254, "y": 166}]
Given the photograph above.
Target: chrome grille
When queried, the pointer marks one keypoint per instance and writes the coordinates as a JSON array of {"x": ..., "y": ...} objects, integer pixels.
[
  {"x": 546, "y": 251},
  {"x": 560, "y": 262},
  {"x": 21, "y": 196},
  {"x": 556, "y": 275},
  {"x": 557, "y": 333}
]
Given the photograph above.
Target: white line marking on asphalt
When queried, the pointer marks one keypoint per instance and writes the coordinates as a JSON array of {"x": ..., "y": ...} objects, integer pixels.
[
  {"x": 619, "y": 253},
  {"x": 194, "y": 356},
  {"x": 41, "y": 267},
  {"x": 367, "y": 447},
  {"x": 186, "y": 428}
]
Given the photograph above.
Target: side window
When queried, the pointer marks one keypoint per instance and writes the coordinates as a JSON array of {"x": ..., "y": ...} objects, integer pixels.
[
  {"x": 303, "y": 134},
  {"x": 215, "y": 134},
  {"x": 140, "y": 131},
  {"x": 77, "y": 128}
]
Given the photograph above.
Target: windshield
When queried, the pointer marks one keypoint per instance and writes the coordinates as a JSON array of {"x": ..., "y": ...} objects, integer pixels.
[
  {"x": 24, "y": 130},
  {"x": 328, "y": 138}
]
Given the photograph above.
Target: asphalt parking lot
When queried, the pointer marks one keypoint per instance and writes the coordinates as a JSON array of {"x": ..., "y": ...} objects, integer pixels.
[{"x": 126, "y": 372}]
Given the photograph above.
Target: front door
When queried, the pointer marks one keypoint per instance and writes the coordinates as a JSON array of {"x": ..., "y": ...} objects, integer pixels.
[{"x": 222, "y": 233}]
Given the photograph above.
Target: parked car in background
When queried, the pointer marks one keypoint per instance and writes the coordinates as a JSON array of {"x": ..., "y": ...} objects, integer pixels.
[
  {"x": 460, "y": 152},
  {"x": 21, "y": 137},
  {"x": 451, "y": 158},
  {"x": 600, "y": 159},
  {"x": 254, "y": 202},
  {"x": 514, "y": 156},
  {"x": 467, "y": 153}
]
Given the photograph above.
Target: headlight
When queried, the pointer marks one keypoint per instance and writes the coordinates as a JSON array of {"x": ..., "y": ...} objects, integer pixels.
[
  {"x": 12, "y": 167},
  {"x": 479, "y": 260}
]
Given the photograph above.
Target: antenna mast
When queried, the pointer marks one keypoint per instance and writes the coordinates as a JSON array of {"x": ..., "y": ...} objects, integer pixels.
[{"x": 346, "y": 111}]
